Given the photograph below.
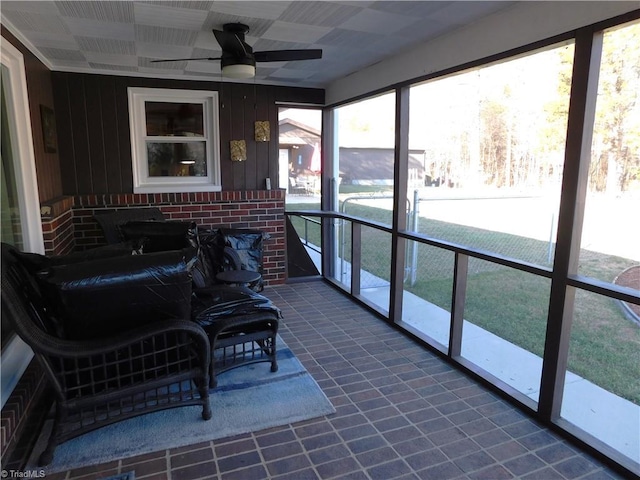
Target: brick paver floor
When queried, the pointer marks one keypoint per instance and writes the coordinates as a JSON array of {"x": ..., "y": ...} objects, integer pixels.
[{"x": 402, "y": 413}]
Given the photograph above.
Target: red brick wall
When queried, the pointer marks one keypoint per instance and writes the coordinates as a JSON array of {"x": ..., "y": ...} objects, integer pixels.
[
  {"x": 70, "y": 224},
  {"x": 57, "y": 226},
  {"x": 21, "y": 417}
]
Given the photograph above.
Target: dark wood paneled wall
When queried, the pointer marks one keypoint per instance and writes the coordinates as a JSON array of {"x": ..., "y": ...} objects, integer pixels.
[
  {"x": 93, "y": 124},
  {"x": 40, "y": 92}
]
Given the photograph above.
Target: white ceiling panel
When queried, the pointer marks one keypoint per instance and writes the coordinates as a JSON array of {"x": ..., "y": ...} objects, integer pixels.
[
  {"x": 95, "y": 28},
  {"x": 371, "y": 20},
  {"x": 56, "y": 40},
  {"x": 120, "y": 12},
  {"x": 289, "y": 73},
  {"x": 267, "y": 10},
  {"x": 461, "y": 13},
  {"x": 106, "y": 45},
  {"x": 165, "y": 16},
  {"x": 204, "y": 67},
  {"x": 412, "y": 9},
  {"x": 349, "y": 39},
  {"x": 112, "y": 59},
  {"x": 204, "y": 5},
  {"x": 110, "y": 68},
  {"x": 314, "y": 13},
  {"x": 124, "y": 36},
  {"x": 73, "y": 65},
  {"x": 290, "y": 32},
  {"x": 145, "y": 65},
  {"x": 41, "y": 8},
  {"x": 36, "y": 22},
  {"x": 157, "y": 51},
  {"x": 206, "y": 40},
  {"x": 165, "y": 35},
  {"x": 63, "y": 54}
]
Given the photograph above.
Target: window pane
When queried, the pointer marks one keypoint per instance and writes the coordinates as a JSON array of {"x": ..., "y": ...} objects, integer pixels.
[
  {"x": 602, "y": 383},
  {"x": 366, "y": 145},
  {"x": 375, "y": 271},
  {"x": 11, "y": 225},
  {"x": 342, "y": 261},
  {"x": 10, "y": 222},
  {"x": 166, "y": 119},
  {"x": 428, "y": 286},
  {"x": 611, "y": 231},
  {"x": 505, "y": 324},
  {"x": 493, "y": 143},
  {"x": 299, "y": 167},
  {"x": 309, "y": 231},
  {"x": 177, "y": 159}
]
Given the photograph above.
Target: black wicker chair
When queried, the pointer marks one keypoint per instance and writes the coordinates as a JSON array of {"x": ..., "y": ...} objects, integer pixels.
[{"x": 160, "y": 365}]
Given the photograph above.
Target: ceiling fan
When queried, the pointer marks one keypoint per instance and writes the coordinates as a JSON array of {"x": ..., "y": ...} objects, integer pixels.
[{"x": 238, "y": 59}]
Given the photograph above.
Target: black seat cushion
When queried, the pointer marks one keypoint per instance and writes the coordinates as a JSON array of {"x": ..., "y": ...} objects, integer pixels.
[
  {"x": 107, "y": 296},
  {"x": 34, "y": 262},
  {"x": 221, "y": 301}
]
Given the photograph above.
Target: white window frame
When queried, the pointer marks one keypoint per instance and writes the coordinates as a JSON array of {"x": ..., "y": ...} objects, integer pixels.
[
  {"x": 142, "y": 182},
  {"x": 16, "y": 355}
]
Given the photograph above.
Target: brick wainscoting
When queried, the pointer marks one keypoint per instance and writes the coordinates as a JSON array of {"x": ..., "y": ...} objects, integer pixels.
[
  {"x": 68, "y": 225},
  {"x": 23, "y": 415}
]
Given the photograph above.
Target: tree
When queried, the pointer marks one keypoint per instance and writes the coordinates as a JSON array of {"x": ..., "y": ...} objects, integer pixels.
[
  {"x": 493, "y": 142},
  {"x": 554, "y": 132},
  {"x": 615, "y": 161}
]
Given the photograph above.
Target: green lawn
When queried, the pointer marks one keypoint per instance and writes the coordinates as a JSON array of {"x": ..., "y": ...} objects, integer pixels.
[
  {"x": 386, "y": 189},
  {"x": 604, "y": 346}
]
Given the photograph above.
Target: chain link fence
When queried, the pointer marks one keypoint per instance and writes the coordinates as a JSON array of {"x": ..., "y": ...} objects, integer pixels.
[{"x": 521, "y": 227}]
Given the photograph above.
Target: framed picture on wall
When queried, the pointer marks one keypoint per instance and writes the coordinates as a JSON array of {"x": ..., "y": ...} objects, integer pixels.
[{"x": 48, "y": 129}]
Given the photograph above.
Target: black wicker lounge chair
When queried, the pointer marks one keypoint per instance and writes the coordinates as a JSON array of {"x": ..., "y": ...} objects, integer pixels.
[{"x": 109, "y": 376}]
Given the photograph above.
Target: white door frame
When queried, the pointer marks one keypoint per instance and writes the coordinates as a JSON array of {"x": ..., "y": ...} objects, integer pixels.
[{"x": 16, "y": 355}]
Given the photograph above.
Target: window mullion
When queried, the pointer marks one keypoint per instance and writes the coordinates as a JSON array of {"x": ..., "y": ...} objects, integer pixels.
[
  {"x": 588, "y": 49},
  {"x": 400, "y": 182}
]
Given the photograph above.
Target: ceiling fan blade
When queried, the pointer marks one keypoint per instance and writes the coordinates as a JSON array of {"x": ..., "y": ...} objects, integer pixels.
[
  {"x": 183, "y": 59},
  {"x": 232, "y": 44},
  {"x": 287, "y": 55}
]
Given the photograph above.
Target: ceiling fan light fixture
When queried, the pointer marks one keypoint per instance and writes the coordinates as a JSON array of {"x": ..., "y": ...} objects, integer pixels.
[
  {"x": 239, "y": 71},
  {"x": 238, "y": 59}
]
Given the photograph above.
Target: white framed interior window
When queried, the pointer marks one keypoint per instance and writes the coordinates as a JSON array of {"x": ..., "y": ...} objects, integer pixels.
[{"x": 175, "y": 141}]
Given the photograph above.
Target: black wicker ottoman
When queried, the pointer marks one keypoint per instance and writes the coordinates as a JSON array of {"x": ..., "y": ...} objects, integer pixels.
[{"x": 241, "y": 325}]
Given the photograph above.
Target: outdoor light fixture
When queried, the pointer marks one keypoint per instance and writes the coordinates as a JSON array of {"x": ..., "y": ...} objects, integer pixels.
[
  {"x": 263, "y": 131},
  {"x": 238, "y": 150}
]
